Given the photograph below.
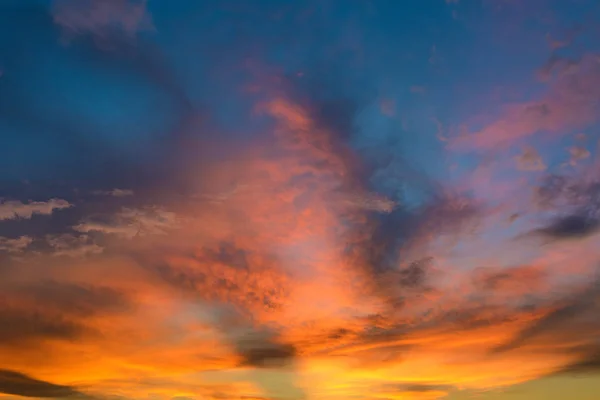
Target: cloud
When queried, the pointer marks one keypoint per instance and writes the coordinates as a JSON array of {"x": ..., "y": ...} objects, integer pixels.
[
  {"x": 102, "y": 18},
  {"x": 558, "y": 66},
  {"x": 131, "y": 222},
  {"x": 298, "y": 268},
  {"x": 115, "y": 192},
  {"x": 571, "y": 102},
  {"x": 15, "y": 209},
  {"x": 95, "y": 158},
  {"x": 19, "y": 384},
  {"x": 82, "y": 300},
  {"x": 588, "y": 364},
  {"x": 577, "y": 194},
  {"x": 265, "y": 353},
  {"x": 573, "y": 313},
  {"x": 574, "y": 226},
  {"x": 17, "y": 245},
  {"x": 530, "y": 160},
  {"x": 513, "y": 281},
  {"x": 576, "y": 201},
  {"x": 577, "y": 154},
  {"x": 417, "y": 390},
  {"x": 73, "y": 246},
  {"x": 51, "y": 310},
  {"x": 372, "y": 203},
  {"x": 18, "y": 326}
]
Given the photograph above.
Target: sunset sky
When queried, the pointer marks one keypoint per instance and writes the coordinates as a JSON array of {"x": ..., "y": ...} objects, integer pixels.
[{"x": 301, "y": 199}]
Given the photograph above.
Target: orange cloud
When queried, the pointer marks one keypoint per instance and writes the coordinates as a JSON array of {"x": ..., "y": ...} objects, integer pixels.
[{"x": 279, "y": 280}]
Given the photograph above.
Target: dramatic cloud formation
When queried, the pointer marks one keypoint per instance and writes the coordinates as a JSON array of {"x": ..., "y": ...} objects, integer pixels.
[{"x": 256, "y": 200}]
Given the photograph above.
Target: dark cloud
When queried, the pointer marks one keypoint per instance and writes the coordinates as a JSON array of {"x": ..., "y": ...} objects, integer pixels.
[
  {"x": 576, "y": 199},
  {"x": 265, "y": 353},
  {"x": 550, "y": 322},
  {"x": 383, "y": 244},
  {"x": 260, "y": 347},
  {"x": 54, "y": 310},
  {"x": 74, "y": 299},
  {"x": 558, "y": 191},
  {"x": 415, "y": 387},
  {"x": 228, "y": 254},
  {"x": 570, "y": 227},
  {"x": 570, "y": 320},
  {"x": 414, "y": 276},
  {"x": 19, "y": 325},
  {"x": 589, "y": 363},
  {"x": 19, "y": 384}
]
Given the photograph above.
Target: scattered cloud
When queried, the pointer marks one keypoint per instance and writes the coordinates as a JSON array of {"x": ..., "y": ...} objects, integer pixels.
[
  {"x": 13, "y": 209},
  {"x": 16, "y": 245},
  {"x": 73, "y": 246},
  {"x": 130, "y": 223},
  {"x": 577, "y": 154},
  {"x": 530, "y": 160}
]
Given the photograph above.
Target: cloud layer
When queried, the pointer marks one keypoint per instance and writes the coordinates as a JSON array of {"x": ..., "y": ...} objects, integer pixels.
[{"x": 236, "y": 218}]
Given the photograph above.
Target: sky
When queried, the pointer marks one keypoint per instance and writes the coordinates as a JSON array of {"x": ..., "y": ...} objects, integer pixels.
[{"x": 302, "y": 199}]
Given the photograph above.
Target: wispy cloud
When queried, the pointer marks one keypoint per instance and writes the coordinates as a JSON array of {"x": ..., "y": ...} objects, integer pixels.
[
  {"x": 102, "y": 18},
  {"x": 569, "y": 103},
  {"x": 130, "y": 223},
  {"x": 115, "y": 192}
]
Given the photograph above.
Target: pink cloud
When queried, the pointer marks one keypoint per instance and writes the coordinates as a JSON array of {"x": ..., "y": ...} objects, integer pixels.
[{"x": 572, "y": 101}]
